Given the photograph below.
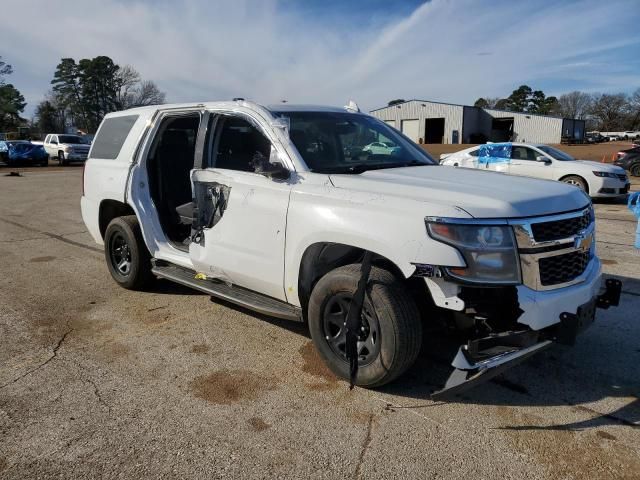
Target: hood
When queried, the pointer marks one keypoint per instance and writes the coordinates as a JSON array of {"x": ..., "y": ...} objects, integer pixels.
[
  {"x": 597, "y": 166},
  {"x": 482, "y": 194}
]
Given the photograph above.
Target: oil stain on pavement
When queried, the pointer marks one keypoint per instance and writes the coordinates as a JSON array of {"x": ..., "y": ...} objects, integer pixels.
[{"x": 225, "y": 387}]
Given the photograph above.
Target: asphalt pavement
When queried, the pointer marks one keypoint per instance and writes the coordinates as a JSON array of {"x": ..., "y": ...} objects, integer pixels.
[{"x": 100, "y": 382}]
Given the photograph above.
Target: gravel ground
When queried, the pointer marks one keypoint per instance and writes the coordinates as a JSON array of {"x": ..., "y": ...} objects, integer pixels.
[{"x": 97, "y": 381}]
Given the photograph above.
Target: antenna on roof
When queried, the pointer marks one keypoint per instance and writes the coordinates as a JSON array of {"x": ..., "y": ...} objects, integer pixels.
[{"x": 352, "y": 107}]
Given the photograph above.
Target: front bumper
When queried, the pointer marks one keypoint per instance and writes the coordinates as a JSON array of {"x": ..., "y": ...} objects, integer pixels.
[
  {"x": 609, "y": 187},
  {"x": 482, "y": 359},
  {"x": 75, "y": 157}
]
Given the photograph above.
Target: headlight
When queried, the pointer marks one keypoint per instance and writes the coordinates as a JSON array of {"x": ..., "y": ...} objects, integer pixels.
[
  {"x": 489, "y": 251},
  {"x": 605, "y": 174}
]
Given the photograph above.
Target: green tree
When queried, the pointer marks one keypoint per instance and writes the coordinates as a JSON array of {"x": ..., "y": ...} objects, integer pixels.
[
  {"x": 519, "y": 99},
  {"x": 88, "y": 90},
  {"x": 48, "y": 118},
  {"x": 503, "y": 104},
  {"x": 481, "y": 103},
  {"x": 541, "y": 104},
  {"x": 99, "y": 88},
  {"x": 68, "y": 91},
  {"x": 11, "y": 106}
]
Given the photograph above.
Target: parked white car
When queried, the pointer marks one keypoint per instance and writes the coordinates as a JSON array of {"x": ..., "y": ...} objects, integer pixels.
[
  {"x": 546, "y": 162},
  {"x": 260, "y": 206},
  {"x": 66, "y": 148},
  {"x": 381, "y": 148}
]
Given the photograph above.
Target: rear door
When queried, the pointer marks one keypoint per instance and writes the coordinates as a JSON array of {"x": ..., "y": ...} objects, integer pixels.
[
  {"x": 239, "y": 222},
  {"x": 524, "y": 162}
]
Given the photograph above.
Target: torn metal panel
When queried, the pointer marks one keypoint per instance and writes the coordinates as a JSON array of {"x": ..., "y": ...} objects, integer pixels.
[{"x": 211, "y": 202}]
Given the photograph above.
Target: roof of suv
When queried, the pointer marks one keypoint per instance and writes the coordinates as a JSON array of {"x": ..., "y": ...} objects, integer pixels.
[{"x": 284, "y": 107}]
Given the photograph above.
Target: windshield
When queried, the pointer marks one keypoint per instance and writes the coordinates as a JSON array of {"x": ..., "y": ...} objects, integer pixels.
[
  {"x": 555, "y": 153},
  {"x": 336, "y": 142},
  {"x": 70, "y": 139}
]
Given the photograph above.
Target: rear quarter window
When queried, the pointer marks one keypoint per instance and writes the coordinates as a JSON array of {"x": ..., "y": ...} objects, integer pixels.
[{"x": 111, "y": 136}]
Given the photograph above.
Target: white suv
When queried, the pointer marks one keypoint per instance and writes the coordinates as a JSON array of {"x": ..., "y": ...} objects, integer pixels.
[{"x": 283, "y": 210}]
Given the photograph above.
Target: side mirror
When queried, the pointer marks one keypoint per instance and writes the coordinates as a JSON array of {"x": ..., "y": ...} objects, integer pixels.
[
  {"x": 542, "y": 158},
  {"x": 54, "y": 142}
]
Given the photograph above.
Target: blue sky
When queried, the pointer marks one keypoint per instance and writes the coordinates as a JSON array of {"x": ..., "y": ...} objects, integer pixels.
[{"x": 330, "y": 51}]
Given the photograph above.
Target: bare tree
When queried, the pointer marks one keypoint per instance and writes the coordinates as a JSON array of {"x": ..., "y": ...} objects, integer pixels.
[
  {"x": 609, "y": 111},
  {"x": 147, "y": 93},
  {"x": 134, "y": 92},
  {"x": 574, "y": 105},
  {"x": 127, "y": 80},
  {"x": 634, "y": 110},
  {"x": 5, "y": 69}
]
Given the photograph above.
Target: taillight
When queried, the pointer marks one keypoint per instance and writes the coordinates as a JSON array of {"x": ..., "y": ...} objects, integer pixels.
[{"x": 620, "y": 155}]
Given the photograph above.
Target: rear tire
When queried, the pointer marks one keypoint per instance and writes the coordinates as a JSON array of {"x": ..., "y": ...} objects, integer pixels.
[
  {"x": 388, "y": 311},
  {"x": 126, "y": 254},
  {"x": 576, "y": 182},
  {"x": 635, "y": 170}
]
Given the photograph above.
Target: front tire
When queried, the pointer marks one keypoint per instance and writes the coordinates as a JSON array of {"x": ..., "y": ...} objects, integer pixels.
[
  {"x": 576, "y": 182},
  {"x": 126, "y": 254},
  {"x": 61, "y": 159},
  {"x": 635, "y": 170},
  {"x": 392, "y": 331}
]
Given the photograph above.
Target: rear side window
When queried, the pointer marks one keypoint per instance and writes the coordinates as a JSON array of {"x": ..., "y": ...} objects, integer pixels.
[{"x": 111, "y": 136}]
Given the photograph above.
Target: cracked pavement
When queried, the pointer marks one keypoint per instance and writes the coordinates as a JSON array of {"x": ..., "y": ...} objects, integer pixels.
[{"x": 100, "y": 382}]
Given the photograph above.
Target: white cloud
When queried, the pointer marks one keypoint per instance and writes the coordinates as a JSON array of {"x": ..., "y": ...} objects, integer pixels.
[{"x": 445, "y": 50}]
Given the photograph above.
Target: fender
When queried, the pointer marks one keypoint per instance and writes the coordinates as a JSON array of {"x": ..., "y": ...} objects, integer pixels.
[{"x": 391, "y": 227}]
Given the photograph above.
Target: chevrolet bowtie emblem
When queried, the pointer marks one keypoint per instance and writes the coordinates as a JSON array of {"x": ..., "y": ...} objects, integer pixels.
[{"x": 583, "y": 241}]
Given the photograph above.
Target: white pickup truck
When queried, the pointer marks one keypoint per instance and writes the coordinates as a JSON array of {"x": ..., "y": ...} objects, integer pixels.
[
  {"x": 66, "y": 148},
  {"x": 284, "y": 210}
]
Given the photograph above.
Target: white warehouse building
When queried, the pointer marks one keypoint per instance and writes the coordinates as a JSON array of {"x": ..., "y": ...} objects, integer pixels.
[{"x": 433, "y": 122}]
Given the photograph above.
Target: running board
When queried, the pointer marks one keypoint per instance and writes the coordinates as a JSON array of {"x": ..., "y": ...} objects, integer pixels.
[{"x": 230, "y": 293}]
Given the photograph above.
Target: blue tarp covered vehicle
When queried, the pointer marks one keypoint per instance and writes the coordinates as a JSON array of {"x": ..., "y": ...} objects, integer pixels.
[{"x": 15, "y": 152}]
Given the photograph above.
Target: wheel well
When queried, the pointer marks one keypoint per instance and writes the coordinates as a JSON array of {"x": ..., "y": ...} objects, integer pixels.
[
  {"x": 320, "y": 258},
  {"x": 110, "y": 209},
  {"x": 586, "y": 184}
]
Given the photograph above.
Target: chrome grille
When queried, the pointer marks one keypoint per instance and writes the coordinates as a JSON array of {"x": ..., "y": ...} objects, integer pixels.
[
  {"x": 563, "y": 268},
  {"x": 556, "y": 230},
  {"x": 555, "y": 251}
]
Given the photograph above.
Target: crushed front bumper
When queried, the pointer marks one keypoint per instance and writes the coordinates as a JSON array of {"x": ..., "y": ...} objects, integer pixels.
[{"x": 482, "y": 359}]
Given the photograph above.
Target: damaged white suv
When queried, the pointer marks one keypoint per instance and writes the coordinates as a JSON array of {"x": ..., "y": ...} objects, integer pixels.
[{"x": 284, "y": 210}]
